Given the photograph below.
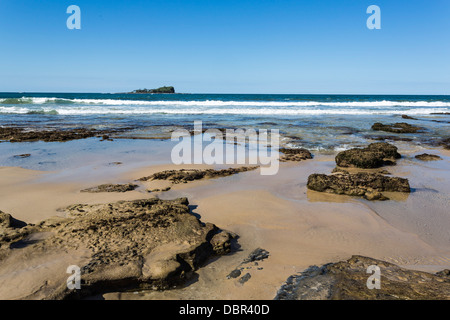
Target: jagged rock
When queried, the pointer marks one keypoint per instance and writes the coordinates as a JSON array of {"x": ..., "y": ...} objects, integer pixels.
[
  {"x": 186, "y": 175},
  {"x": 427, "y": 157},
  {"x": 257, "y": 255},
  {"x": 363, "y": 184},
  {"x": 145, "y": 244},
  {"x": 111, "y": 188},
  {"x": 373, "y": 156},
  {"x": 399, "y": 127},
  {"x": 5, "y": 220},
  {"x": 295, "y": 154},
  {"x": 347, "y": 280},
  {"x": 221, "y": 242}
]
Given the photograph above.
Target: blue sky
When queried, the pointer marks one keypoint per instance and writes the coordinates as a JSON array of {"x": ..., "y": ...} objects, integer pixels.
[{"x": 227, "y": 46}]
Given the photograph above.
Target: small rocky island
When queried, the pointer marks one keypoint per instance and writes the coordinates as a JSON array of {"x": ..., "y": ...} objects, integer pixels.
[{"x": 164, "y": 89}]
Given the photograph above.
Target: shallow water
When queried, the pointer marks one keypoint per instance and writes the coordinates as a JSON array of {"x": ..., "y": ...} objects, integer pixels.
[{"x": 317, "y": 122}]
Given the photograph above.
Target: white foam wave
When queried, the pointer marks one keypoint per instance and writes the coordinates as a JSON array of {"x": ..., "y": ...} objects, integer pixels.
[
  {"x": 220, "y": 103},
  {"x": 91, "y": 110}
]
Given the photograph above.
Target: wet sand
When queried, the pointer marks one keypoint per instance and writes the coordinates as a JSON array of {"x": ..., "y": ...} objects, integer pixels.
[{"x": 297, "y": 226}]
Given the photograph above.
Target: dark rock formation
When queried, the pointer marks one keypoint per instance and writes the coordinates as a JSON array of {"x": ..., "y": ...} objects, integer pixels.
[
  {"x": 373, "y": 156},
  {"x": 166, "y": 89},
  {"x": 363, "y": 184},
  {"x": 143, "y": 244},
  {"x": 13, "y": 134},
  {"x": 347, "y": 280},
  {"x": 245, "y": 278},
  {"x": 295, "y": 154},
  {"x": 404, "y": 116},
  {"x": 445, "y": 143},
  {"x": 386, "y": 137},
  {"x": 234, "y": 274},
  {"x": 399, "y": 127},
  {"x": 25, "y": 155},
  {"x": 257, "y": 255},
  {"x": 427, "y": 157},
  {"x": 186, "y": 175},
  {"x": 111, "y": 188}
]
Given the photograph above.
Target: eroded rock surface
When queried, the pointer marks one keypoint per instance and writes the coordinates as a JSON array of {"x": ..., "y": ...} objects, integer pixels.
[
  {"x": 187, "y": 175},
  {"x": 362, "y": 184},
  {"x": 295, "y": 154},
  {"x": 347, "y": 280},
  {"x": 14, "y": 134},
  {"x": 373, "y": 156},
  {"x": 111, "y": 188},
  {"x": 147, "y": 244},
  {"x": 399, "y": 127}
]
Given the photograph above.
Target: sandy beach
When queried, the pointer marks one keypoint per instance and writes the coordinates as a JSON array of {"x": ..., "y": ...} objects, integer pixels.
[{"x": 297, "y": 226}]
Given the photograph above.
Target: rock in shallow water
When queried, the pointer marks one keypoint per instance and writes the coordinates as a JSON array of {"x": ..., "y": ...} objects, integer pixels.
[
  {"x": 363, "y": 184},
  {"x": 427, "y": 157},
  {"x": 373, "y": 156},
  {"x": 298, "y": 154},
  {"x": 399, "y": 127},
  {"x": 347, "y": 280}
]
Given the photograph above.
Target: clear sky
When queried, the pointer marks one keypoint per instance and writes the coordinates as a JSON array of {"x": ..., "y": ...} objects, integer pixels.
[{"x": 226, "y": 46}]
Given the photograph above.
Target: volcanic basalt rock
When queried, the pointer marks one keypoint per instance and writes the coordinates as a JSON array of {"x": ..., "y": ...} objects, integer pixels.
[
  {"x": 373, "y": 156},
  {"x": 147, "y": 244},
  {"x": 347, "y": 280},
  {"x": 399, "y": 127},
  {"x": 187, "y": 175},
  {"x": 363, "y": 184},
  {"x": 295, "y": 154}
]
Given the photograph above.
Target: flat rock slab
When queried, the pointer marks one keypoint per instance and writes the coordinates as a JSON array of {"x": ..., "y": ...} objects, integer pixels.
[
  {"x": 187, "y": 175},
  {"x": 362, "y": 184},
  {"x": 399, "y": 127},
  {"x": 427, "y": 157},
  {"x": 111, "y": 188},
  {"x": 146, "y": 244},
  {"x": 347, "y": 280}
]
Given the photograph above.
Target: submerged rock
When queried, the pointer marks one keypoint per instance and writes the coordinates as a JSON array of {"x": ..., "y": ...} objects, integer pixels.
[
  {"x": 187, "y": 175},
  {"x": 347, "y": 280},
  {"x": 373, "y": 156},
  {"x": 147, "y": 244},
  {"x": 111, "y": 188},
  {"x": 14, "y": 134},
  {"x": 445, "y": 143},
  {"x": 399, "y": 127},
  {"x": 363, "y": 184},
  {"x": 404, "y": 116},
  {"x": 427, "y": 157},
  {"x": 295, "y": 154}
]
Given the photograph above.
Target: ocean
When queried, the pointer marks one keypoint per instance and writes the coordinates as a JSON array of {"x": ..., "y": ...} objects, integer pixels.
[{"x": 317, "y": 122}]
